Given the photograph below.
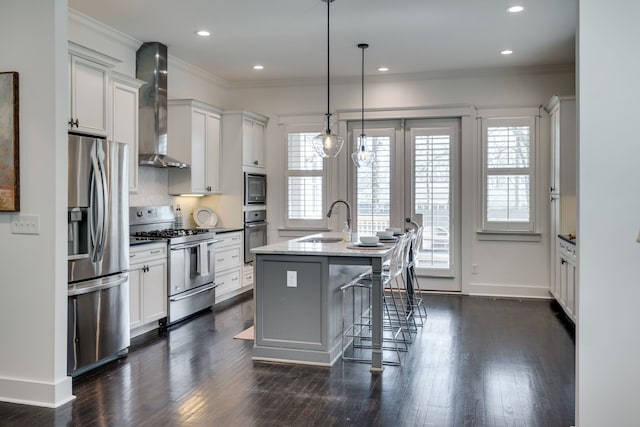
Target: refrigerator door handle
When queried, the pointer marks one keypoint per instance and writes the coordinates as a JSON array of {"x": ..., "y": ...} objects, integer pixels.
[
  {"x": 93, "y": 203},
  {"x": 98, "y": 201},
  {"x": 97, "y": 285},
  {"x": 105, "y": 198}
]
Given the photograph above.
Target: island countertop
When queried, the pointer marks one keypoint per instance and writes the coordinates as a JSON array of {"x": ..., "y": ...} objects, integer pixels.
[{"x": 311, "y": 245}]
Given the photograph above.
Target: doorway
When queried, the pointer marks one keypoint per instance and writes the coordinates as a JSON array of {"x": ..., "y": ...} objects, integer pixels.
[{"x": 416, "y": 175}]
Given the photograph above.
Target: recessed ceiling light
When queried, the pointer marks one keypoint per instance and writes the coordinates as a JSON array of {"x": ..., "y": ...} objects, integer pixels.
[
  {"x": 258, "y": 67},
  {"x": 203, "y": 33},
  {"x": 515, "y": 9},
  {"x": 383, "y": 69},
  {"x": 506, "y": 52}
]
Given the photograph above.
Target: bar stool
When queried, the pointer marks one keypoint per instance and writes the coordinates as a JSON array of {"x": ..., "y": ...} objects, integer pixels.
[
  {"x": 417, "y": 299},
  {"x": 356, "y": 325},
  {"x": 400, "y": 289}
]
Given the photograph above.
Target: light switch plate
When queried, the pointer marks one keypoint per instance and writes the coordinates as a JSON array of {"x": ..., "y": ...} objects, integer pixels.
[
  {"x": 292, "y": 279},
  {"x": 25, "y": 224}
]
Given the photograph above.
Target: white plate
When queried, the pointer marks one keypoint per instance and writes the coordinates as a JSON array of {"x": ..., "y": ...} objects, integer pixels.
[
  {"x": 368, "y": 244},
  {"x": 204, "y": 217}
]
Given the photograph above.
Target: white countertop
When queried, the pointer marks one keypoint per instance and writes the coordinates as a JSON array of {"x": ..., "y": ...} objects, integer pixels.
[{"x": 300, "y": 246}]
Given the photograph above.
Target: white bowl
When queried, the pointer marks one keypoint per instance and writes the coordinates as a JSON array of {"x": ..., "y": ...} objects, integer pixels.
[
  {"x": 385, "y": 234},
  {"x": 395, "y": 230},
  {"x": 369, "y": 240}
]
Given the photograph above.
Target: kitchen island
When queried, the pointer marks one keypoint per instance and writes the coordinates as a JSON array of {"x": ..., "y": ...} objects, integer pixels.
[{"x": 298, "y": 301}]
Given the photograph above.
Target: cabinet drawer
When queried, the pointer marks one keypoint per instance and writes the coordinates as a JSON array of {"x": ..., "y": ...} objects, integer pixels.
[
  {"x": 227, "y": 258},
  {"x": 247, "y": 275},
  {"x": 228, "y": 239},
  {"x": 228, "y": 282},
  {"x": 147, "y": 252}
]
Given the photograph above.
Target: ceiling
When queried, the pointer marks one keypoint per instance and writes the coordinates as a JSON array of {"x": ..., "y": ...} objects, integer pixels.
[{"x": 289, "y": 37}]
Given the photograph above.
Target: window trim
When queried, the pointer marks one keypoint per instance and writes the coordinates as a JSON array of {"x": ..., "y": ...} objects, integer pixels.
[
  {"x": 504, "y": 230},
  {"x": 296, "y": 125}
]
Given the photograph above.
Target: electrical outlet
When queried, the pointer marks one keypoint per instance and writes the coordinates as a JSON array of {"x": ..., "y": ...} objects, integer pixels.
[
  {"x": 474, "y": 268},
  {"x": 292, "y": 279},
  {"x": 25, "y": 224}
]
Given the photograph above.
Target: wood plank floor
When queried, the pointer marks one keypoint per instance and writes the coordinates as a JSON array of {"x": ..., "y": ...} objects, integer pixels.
[{"x": 477, "y": 362}]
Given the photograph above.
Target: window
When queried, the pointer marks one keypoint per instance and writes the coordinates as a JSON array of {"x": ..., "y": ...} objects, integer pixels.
[
  {"x": 509, "y": 173},
  {"x": 305, "y": 179}
]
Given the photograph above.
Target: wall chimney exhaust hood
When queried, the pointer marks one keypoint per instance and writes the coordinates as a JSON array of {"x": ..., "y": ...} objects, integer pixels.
[{"x": 151, "y": 67}]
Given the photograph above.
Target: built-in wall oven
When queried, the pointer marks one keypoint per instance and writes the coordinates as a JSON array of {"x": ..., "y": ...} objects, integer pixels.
[
  {"x": 255, "y": 189},
  {"x": 255, "y": 232}
]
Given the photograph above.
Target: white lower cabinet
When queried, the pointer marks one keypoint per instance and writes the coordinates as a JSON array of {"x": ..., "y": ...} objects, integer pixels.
[
  {"x": 229, "y": 267},
  {"x": 147, "y": 286},
  {"x": 566, "y": 286}
]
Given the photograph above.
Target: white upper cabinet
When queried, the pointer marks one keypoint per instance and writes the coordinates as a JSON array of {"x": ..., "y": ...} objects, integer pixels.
[
  {"x": 194, "y": 137},
  {"x": 89, "y": 74},
  {"x": 253, "y": 142},
  {"x": 124, "y": 93},
  {"x": 244, "y": 139}
]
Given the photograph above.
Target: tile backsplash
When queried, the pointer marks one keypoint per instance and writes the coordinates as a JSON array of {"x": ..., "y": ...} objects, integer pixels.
[{"x": 153, "y": 187}]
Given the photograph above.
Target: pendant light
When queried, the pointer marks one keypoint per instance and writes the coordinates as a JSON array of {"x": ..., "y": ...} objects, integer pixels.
[
  {"x": 328, "y": 144},
  {"x": 363, "y": 156}
]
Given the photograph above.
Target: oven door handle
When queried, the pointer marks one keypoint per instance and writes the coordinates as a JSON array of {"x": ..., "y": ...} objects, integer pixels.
[
  {"x": 196, "y": 292},
  {"x": 256, "y": 224},
  {"x": 191, "y": 245}
]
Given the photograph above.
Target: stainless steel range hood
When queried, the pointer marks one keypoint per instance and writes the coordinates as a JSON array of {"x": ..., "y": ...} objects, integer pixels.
[{"x": 151, "y": 67}]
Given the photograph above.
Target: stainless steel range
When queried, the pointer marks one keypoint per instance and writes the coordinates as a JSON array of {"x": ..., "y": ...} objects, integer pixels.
[{"x": 191, "y": 260}]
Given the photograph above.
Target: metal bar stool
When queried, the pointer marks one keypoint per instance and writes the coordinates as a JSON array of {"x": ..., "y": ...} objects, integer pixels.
[{"x": 356, "y": 323}]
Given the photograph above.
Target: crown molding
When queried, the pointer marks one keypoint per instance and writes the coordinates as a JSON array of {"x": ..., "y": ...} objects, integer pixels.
[
  {"x": 105, "y": 30},
  {"x": 199, "y": 72}
]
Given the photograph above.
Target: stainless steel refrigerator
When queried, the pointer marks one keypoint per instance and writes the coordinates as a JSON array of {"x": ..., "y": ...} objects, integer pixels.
[{"x": 98, "y": 252}]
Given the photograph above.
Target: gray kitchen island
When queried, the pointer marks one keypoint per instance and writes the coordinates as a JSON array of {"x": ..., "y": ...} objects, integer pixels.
[{"x": 298, "y": 301}]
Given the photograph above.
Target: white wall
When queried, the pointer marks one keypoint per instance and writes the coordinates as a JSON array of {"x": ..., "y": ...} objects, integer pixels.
[
  {"x": 608, "y": 344},
  {"x": 505, "y": 268},
  {"x": 33, "y": 364}
]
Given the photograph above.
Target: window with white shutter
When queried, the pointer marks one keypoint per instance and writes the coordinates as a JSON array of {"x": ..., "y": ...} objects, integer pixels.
[
  {"x": 305, "y": 179},
  {"x": 509, "y": 173}
]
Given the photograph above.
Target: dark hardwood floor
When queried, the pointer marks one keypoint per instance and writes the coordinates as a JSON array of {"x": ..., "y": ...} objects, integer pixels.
[{"x": 477, "y": 362}]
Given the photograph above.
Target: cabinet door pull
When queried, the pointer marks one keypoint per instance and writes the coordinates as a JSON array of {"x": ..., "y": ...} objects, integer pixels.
[{"x": 156, "y": 251}]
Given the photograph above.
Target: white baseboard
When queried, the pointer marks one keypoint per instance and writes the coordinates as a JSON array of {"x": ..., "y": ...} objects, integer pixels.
[
  {"x": 29, "y": 392},
  {"x": 508, "y": 291}
]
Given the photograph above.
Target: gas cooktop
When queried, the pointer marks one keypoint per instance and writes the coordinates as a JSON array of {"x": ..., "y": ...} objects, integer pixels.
[{"x": 167, "y": 233}]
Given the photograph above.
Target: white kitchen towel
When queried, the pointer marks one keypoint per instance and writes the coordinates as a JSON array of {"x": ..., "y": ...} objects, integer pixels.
[{"x": 203, "y": 264}]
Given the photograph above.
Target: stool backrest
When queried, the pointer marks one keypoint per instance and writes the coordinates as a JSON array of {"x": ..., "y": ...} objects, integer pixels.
[{"x": 395, "y": 263}]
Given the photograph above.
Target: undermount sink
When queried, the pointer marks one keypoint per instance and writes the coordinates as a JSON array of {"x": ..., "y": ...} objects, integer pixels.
[{"x": 322, "y": 240}]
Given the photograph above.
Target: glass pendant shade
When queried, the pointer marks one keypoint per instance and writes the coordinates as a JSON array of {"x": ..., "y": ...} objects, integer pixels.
[
  {"x": 363, "y": 156},
  {"x": 327, "y": 144}
]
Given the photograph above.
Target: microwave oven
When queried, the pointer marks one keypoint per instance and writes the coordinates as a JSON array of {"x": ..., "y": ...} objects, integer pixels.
[{"x": 255, "y": 189}]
